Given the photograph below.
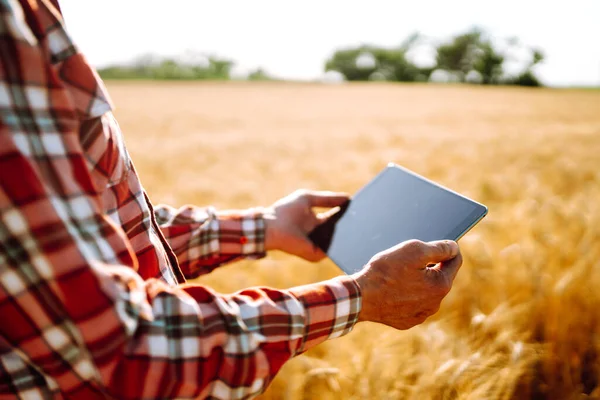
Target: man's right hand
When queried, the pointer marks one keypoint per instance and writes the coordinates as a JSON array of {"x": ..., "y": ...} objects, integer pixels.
[{"x": 400, "y": 290}]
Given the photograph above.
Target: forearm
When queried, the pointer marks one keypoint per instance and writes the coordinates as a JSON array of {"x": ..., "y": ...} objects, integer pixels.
[
  {"x": 204, "y": 239},
  {"x": 143, "y": 339},
  {"x": 240, "y": 341}
]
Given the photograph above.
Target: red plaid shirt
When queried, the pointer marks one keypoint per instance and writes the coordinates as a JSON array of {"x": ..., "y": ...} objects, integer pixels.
[{"x": 93, "y": 299}]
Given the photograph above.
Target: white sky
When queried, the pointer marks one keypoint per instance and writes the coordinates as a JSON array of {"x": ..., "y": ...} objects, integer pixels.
[{"x": 292, "y": 39}]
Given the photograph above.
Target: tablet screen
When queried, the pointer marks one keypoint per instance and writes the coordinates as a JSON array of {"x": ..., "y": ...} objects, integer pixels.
[{"x": 397, "y": 205}]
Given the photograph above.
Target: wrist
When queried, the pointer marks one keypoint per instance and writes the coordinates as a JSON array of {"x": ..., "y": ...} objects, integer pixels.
[
  {"x": 271, "y": 229},
  {"x": 331, "y": 308},
  {"x": 362, "y": 282}
]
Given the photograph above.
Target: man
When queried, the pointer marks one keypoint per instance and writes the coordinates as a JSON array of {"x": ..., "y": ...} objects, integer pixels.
[{"x": 93, "y": 295}]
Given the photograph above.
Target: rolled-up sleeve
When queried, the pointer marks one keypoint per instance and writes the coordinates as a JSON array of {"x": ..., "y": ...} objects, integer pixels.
[{"x": 204, "y": 239}]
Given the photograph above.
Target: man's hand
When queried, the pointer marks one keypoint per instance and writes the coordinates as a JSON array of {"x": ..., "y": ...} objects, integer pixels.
[
  {"x": 399, "y": 290},
  {"x": 291, "y": 219}
]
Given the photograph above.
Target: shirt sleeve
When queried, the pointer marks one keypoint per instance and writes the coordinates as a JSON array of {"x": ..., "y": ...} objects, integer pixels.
[
  {"x": 203, "y": 238},
  {"x": 79, "y": 313}
]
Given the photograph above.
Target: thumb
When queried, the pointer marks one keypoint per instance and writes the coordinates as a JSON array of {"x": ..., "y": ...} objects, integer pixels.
[
  {"x": 326, "y": 199},
  {"x": 439, "y": 251}
]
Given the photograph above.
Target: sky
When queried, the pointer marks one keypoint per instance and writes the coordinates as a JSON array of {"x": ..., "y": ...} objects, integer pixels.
[{"x": 292, "y": 39}]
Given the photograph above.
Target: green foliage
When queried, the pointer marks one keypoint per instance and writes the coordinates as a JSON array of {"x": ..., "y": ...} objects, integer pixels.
[
  {"x": 471, "y": 52},
  {"x": 538, "y": 57},
  {"x": 377, "y": 63},
  {"x": 527, "y": 78},
  {"x": 488, "y": 63},
  {"x": 396, "y": 67},
  {"x": 460, "y": 55},
  {"x": 150, "y": 67},
  {"x": 347, "y": 62},
  {"x": 259, "y": 74},
  {"x": 468, "y": 57},
  {"x": 471, "y": 57}
]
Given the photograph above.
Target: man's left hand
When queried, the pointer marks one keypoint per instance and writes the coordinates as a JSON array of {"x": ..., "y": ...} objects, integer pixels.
[{"x": 291, "y": 219}]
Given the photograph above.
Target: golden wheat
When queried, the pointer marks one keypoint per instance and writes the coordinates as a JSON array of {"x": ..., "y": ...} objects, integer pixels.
[{"x": 523, "y": 319}]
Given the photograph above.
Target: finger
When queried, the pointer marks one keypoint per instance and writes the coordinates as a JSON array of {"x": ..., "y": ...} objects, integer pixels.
[
  {"x": 326, "y": 199},
  {"x": 324, "y": 216},
  {"x": 439, "y": 251},
  {"x": 450, "y": 268}
]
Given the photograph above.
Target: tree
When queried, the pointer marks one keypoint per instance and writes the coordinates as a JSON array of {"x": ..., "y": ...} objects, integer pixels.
[
  {"x": 461, "y": 54},
  {"x": 527, "y": 77},
  {"x": 393, "y": 63},
  {"x": 473, "y": 52},
  {"x": 220, "y": 68},
  {"x": 378, "y": 63},
  {"x": 488, "y": 63},
  {"x": 153, "y": 67},
  {"x": 259, "y": 74},
  {"x": 348, "y": 63}
]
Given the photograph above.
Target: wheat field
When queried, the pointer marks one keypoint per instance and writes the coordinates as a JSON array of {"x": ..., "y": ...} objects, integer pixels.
[{"x": 523, "y": 318}]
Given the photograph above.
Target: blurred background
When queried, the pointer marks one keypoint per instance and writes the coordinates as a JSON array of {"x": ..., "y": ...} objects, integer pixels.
[
  {"x": 248, "y": 101},
  {"x": 396, "y": 41}
]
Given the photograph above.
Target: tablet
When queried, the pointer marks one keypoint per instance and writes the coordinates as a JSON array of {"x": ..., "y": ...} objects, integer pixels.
[{"x": 397, "y": 205}]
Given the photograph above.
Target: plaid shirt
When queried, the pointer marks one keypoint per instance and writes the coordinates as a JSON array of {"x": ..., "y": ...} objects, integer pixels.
[{"x": 93, "y": 299}]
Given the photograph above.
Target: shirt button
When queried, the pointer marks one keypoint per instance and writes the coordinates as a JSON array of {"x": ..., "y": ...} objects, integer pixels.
[{"x": 243, "y": 240}]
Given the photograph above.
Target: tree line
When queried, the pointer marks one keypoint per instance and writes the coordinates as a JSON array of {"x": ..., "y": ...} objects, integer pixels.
[
  {"x": 469, "y": 57},
  {"x": 472, "y": 57}
]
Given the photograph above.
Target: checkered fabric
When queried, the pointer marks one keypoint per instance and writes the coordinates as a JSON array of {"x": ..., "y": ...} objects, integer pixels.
[{"x": 93, "y": 298}]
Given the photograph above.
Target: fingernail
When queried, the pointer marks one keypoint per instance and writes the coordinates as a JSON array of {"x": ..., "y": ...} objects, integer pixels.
[{"x": 453, "y": 247}]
